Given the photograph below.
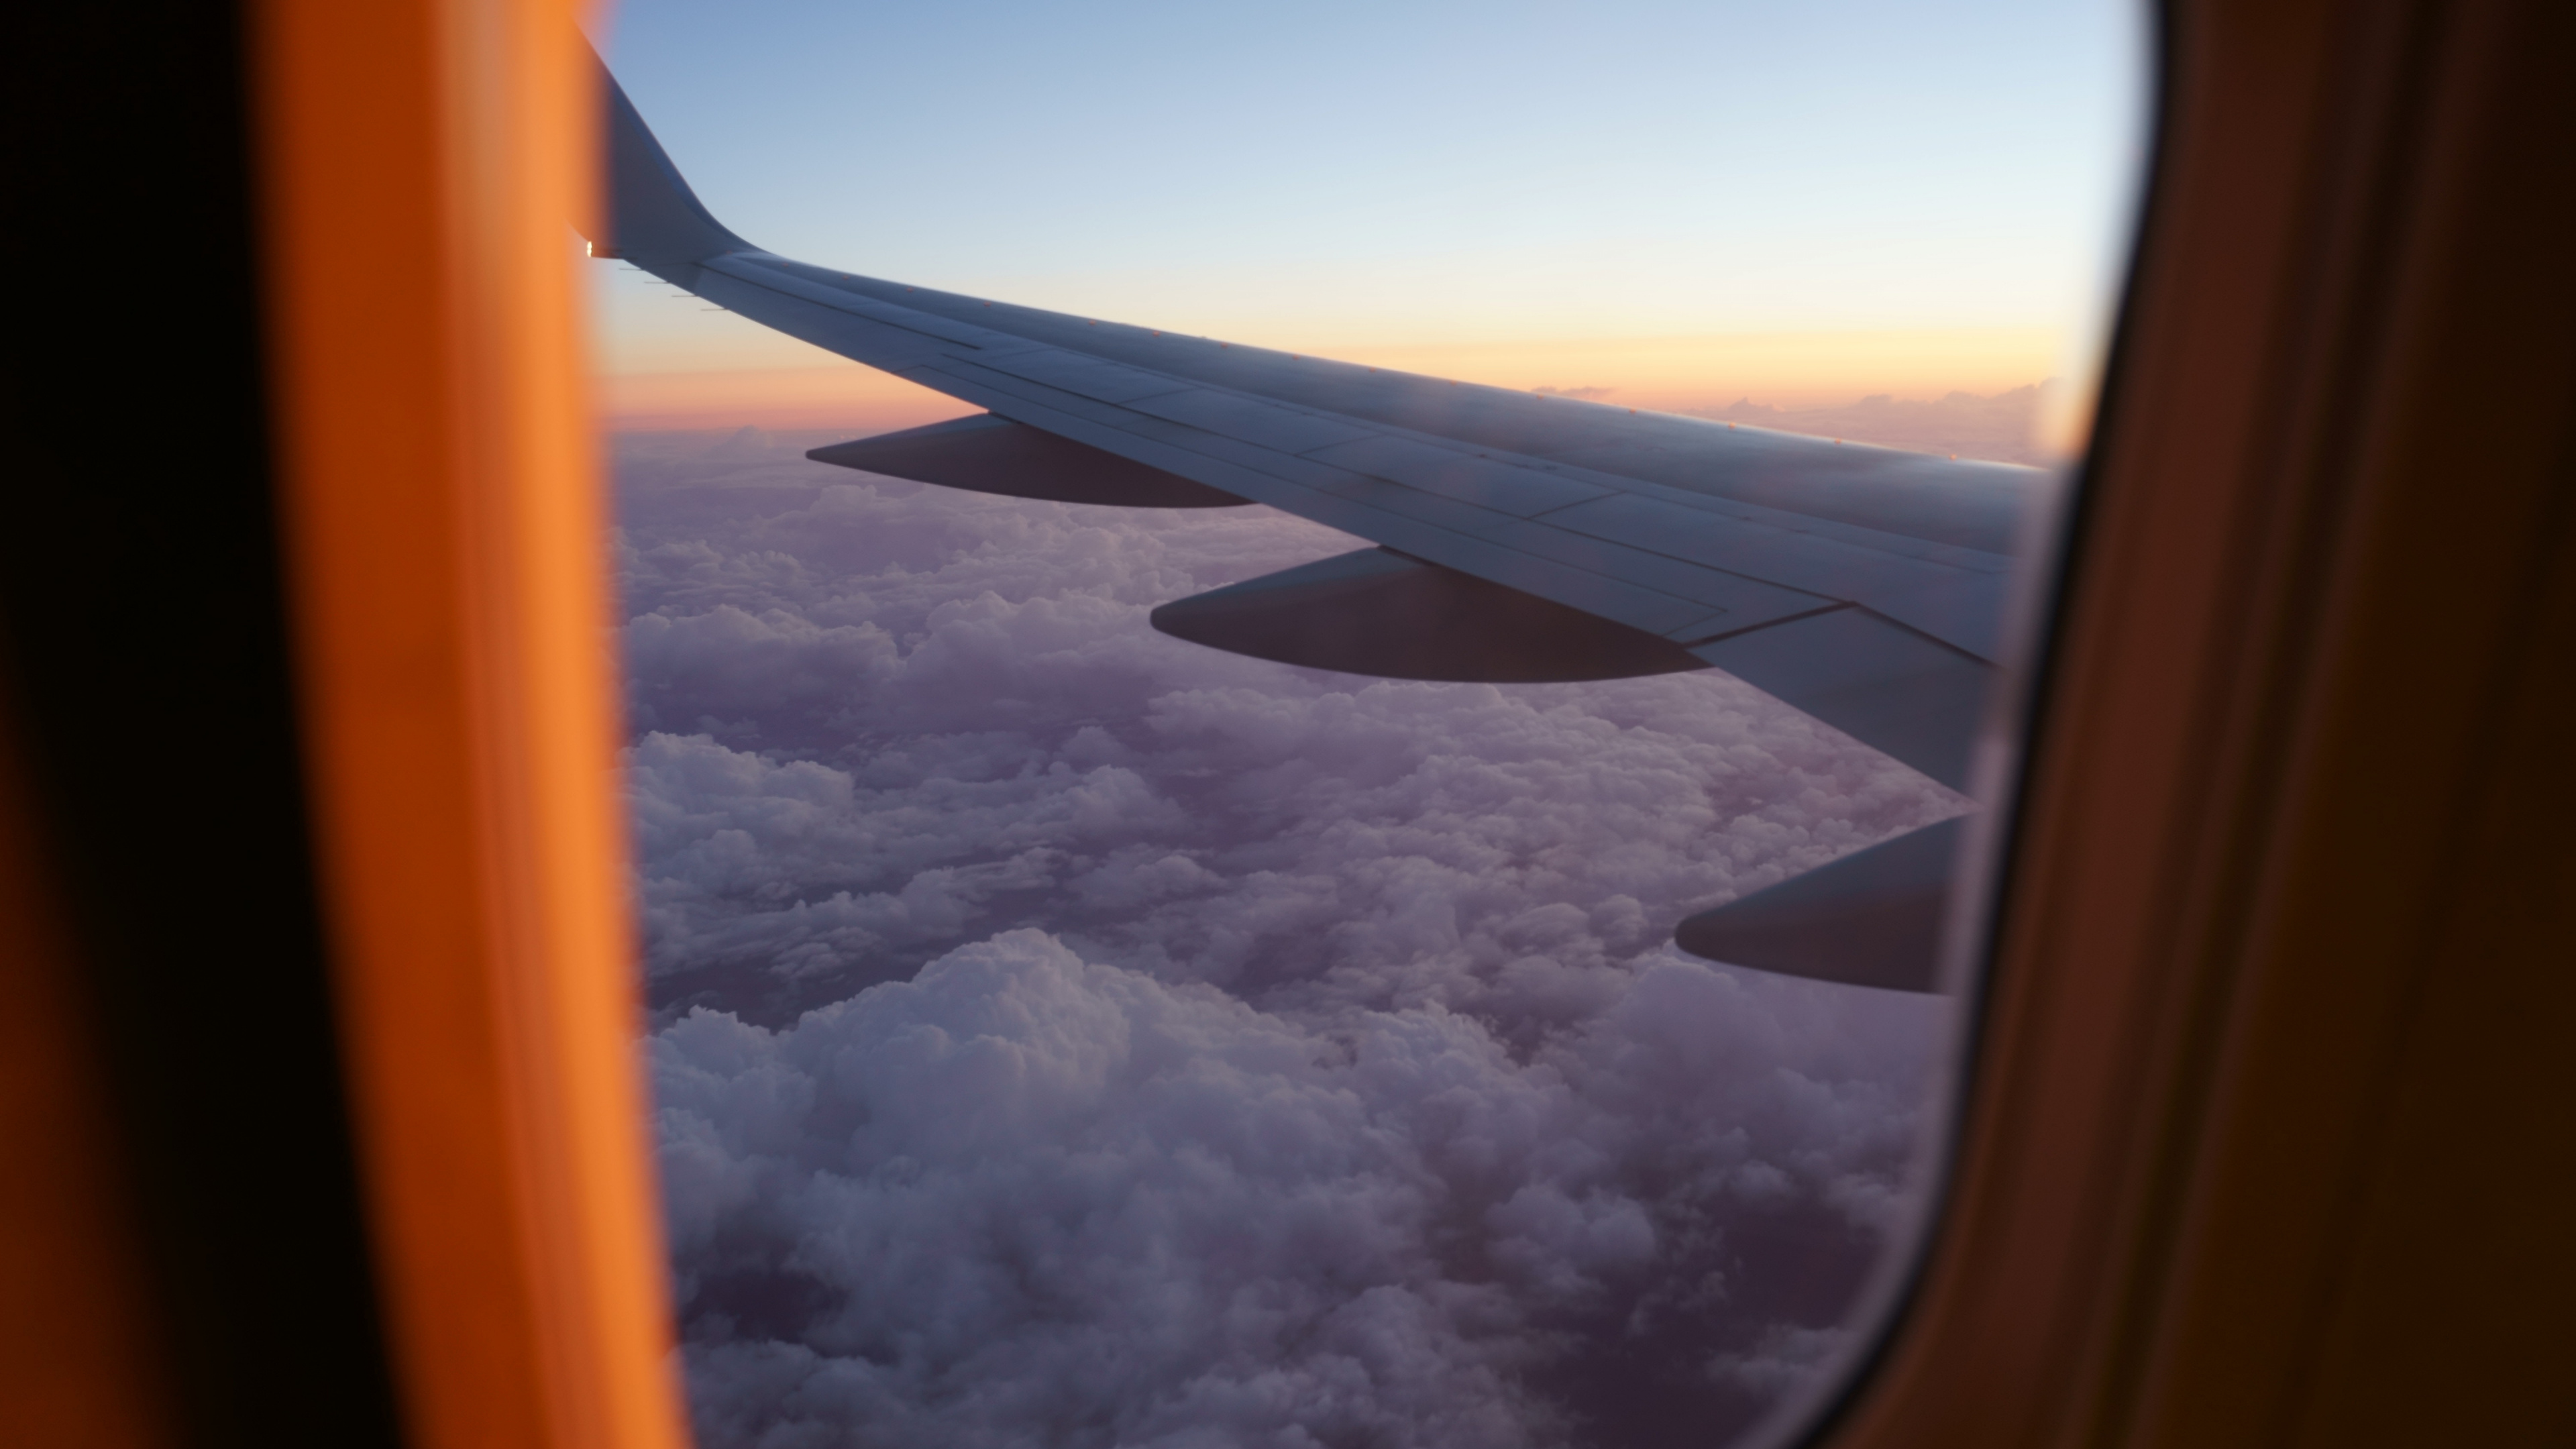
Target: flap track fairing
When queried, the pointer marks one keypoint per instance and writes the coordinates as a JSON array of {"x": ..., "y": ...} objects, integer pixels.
[
  {"x": 986, "y": 454},
  {"x": 1376, "y": 611},
  {"x": 1872, "y": 918}
]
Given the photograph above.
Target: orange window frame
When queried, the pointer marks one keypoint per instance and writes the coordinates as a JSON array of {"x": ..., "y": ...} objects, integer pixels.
[{"x": 422, "y": 162}]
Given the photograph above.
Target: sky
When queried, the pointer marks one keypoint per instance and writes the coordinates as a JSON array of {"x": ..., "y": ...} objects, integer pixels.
[{"x": 1682, "y": 201}]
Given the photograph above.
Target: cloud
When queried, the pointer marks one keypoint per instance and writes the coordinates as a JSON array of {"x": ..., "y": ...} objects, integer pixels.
[
  {"x": 2003, "y": 428},
  {"x": 1026, "y": 1197},
  {"x": 1069, "y": 1034}
]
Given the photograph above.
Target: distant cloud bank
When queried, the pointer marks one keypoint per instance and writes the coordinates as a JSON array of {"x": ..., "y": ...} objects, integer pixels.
[{"x": 2004, "y": 427}]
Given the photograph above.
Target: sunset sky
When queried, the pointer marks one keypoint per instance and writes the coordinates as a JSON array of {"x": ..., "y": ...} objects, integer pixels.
[{"x": 1682, "y": 202}]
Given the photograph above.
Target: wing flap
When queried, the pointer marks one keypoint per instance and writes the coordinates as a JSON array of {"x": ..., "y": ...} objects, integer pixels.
[
  {"x": 1883, "y": 684},
  {"x": 1960, "y": 606}
]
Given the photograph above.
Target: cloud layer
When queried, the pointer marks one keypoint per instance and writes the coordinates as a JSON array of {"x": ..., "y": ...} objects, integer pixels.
[
  {"x": 2008, "y": 427},
  {"x": 1070, "y": 1035}
]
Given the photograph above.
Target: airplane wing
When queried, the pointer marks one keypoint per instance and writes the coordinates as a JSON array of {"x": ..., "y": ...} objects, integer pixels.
[{"x": 1520, "y": 537}]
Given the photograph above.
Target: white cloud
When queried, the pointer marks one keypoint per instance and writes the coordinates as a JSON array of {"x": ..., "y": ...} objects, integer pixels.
[{"x": 1346, "y": 1087}]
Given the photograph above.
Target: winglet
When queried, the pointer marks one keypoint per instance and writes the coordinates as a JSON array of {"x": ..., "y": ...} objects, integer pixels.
[{"x": 653, "y": 216}]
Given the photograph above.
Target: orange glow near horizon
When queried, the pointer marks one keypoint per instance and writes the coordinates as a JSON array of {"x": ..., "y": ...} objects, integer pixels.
[
  {"x": 1786, "y": 369},
  {"x": 837, "y": 395},
  {"x": 1666, "y": 374}
]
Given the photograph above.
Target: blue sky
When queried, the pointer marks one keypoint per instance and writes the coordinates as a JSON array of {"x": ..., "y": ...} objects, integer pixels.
[{"x": 1349, "y": 177}]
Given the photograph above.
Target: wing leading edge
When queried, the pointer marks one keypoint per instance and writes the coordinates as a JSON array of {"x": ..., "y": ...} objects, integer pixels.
[{"x": 1521, "y": 537}]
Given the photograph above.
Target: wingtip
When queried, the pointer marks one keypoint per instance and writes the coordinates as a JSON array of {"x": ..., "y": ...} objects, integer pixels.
[{"x": 652, "y": 216}]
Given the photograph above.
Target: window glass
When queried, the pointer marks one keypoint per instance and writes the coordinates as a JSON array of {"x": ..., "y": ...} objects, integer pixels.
[{"x": 1065, "y": 1032}]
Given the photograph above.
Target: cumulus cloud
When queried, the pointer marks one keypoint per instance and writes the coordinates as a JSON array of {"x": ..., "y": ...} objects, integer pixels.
[
  {"x": 1067, "y": 1034},
  {"x": 1026, "y": 1197}
]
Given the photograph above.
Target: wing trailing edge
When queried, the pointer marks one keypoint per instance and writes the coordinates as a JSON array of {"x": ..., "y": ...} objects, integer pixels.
[{"x": 1892, "y": 688}]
